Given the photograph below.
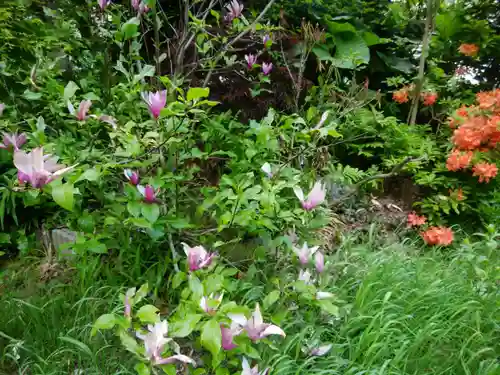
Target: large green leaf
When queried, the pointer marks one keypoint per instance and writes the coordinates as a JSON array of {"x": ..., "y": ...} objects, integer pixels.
[
  {"x": 211, "y": 337},
  {"x": 63, "y": 195},
  {"x": 184, "y": 326},
  {"x": 351, "y": 51}
]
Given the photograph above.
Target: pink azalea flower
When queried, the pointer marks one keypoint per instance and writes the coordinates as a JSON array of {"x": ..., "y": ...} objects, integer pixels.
[
  {"x": 148, "y": 192},
  {"x": 198, "y": 257},
  {"x": 83, "y": 109},
  {"x": 154, "y": 342},
  {"x": 255, "y": 326},
  {"x": 13, "y": 141},
  {"x": 155, "y": 101},
  {"x": 252, "y": 371},
  {"x": 251, "y": 60},
  {"x": 228, "y": 334},
  {"x": 132, "y": 176},
  {"x": 319, "y": 261},
  {"x": 305, "y": 253},
  {"x": 266, "y": 68},
  {"x": 36, "y": 168},
  {"x": 234, "y": 10},
  {"x": 315, "y": 197}
]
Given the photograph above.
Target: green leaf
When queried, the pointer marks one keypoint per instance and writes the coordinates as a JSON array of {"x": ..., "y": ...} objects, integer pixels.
[
  {"x": 341, "y": 27},
  {"x": 372, "y": 39},
  {"x": 211, "y": 337},
  {"x": 329, "y": 308},
  {"x": 141, "y": 293},
  {"x": 63, "y": 195},
  {"x": 129, "y": 343},
  {"x": 351, "y": 51},
  {"x": 89, "y": 175},
  {"x": 178, "y": 279},
  {"x": 70, "y": 90},
  {"x": 134, "y": 208},
  {"x": 271, "y": 298},
  {"x": 142, "y": 369},
  {"x": 146, "y": 71},
  {"x": 195, "y": 285},
  {"x": 197, "y": 93},
  {"x": 150, "y": 211},
  {"x": 129, "y": 28},
  {"x": 322, "y": 54},
  {"x": 30, "y": 95},
  {"x": 148, "y": 314},
  {"x": 106, "y": 321},
  {"x": 184, "y": 326},
  {"x": 4, "y": 238},
  {"x": 80, "y": 345}
]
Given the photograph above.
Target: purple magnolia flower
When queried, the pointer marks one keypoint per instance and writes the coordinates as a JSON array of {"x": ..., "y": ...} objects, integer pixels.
[
  {"x": 228, "y": 335},
  {"x": 155, "y": 101},
  {"x": 2, "y": 107},
  {"x": 251, "y": 60},
  {"x": 83, "y": 109},
  {"x": 234, "y": 10},
  {"x": 13, "y": 141},
  {"x": 148, "y": 192},
  {"x": 143, "y": 8},
  {"x": 36, "y": 168},
  {"x": 305, "y": 253},
  {"x": 103, "y": 3},
  {"x": 266, "y": 68},
  {"x": 132, "y": 176},
  {"x": 198, "y": 257},
  {"x": 305, "y": 276},
  {"x": 107, "y": 119},
  {"x": 315, "y": 197},
  {"x": 135, "y": 4},
  {"x": 319, "y": 261},
  {"x": 266, "y": 40},
  {"x": 154, "y": 342},
  {"x": 321, "y": 350},
  {"x": 255, "y": 326},
  {"x": 252, "y": 371}
]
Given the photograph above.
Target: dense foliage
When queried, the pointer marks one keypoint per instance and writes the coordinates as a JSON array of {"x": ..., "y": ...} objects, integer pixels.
[{"x": 220, "y": 188}]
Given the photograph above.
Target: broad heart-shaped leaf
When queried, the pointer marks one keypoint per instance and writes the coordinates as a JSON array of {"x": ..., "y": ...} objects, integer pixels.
[
  {"x": 329, "y": 308},
  {"x": 150, "y": 211},
  {"x": 106, "y": 321},
  {"x": 322, "y": 54},
  {"x": 129, "y": 343},
  {"x": 351, "y": 51},
  {"x": 197, "y": 93},
  {"x": 129, "y": 28},
  {"x": 271, "y": 298},
  {"x": 178, "y": 279},
  {"x": 211, "y": 337},
  {"x": 70, "y": 90},
  {"x": 91, "y": 174},
  {"x": 63, "y": 195},
  {"x": 148, "y": 314},
  {"x": 184, "y": 326}
]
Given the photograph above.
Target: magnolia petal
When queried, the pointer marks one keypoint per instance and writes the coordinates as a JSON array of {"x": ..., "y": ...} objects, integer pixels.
[
  {"x": 264, "y": 372},
  {"x": 317, "y": 194},
  {"x": 22, "y": 161},
  {"x": 321, "y": 350},
  {"x": 257, "y": 317},
  {"x": 246, "y": 367},
  {"x": 240, "y": 319},
  {"x": 324, "y": 295},
  {"x": 37, "y": 159},
  {"x": 273, "y": 330},
  {"x": 204, "y": 304},
  {"x": 64, "y": 170},
  {"x": 174, "y": 358},
  {"x": 266, "y": 168},
  {"x": 142, "y": 190},
  {"x": 298, "y": 193},
  {"x": 71, "y": 109}
]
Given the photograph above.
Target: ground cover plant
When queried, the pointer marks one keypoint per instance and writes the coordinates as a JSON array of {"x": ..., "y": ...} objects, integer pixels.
[{"x": 255, "y": 188}]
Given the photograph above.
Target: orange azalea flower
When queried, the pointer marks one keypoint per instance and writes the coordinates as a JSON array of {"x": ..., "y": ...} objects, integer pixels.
[
  {"x": 485, "y": 171},
  {"x": 486, "y": 99},
  {"x": 429, "y": 98},
  {"x": 468, "y": 49},
  {"x": 458, "y": 160},
  {"x": 458, "y": 194},
  {"x": 438, "y": 236},
  {"x": 472, "y": 133},
  {"x": 415, "y": 221},
  {"x": 400, "y": 96},
  {"x": 463, "y": 111}
]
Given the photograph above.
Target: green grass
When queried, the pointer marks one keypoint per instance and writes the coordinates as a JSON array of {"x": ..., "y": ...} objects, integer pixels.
[{"x": 407, "y": 313}]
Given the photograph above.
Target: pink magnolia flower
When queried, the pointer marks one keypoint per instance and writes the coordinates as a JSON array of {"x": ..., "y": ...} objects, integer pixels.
[
  {"x": 135, "y": 4},
  {"x": 103, "y": 3},
  {"x": 319, "y": 261},
  {"x": 228, "y": 334},
  {"x": 2, "y": 107},
  {"x": 128, "y": 307},
  {"x": 251, "y": 60},
  {"x": 143, "y": 8},
  {"x": 321, "y": 350},
  {"x": 155, "y": 101},
  {"x": 154, "y": 342},
  {"x": 315, "y": 197},
  {"x": 148, "y": 192},
  {"x": 234, "y": 10},
  {"x": 305, "y": 276},
  {"x": 83, "y": 109},
  {"x": 266, "y": 68},
  {"x": 13, "y": 141},
  {"x": 132, "y": 176},
  {"x": 107, "y": 119},
  {"x": 198, "y": 257},
  {"x": 36, "y": 168},
  {"x": 305, "y": 253},
  {"x": 252, "y": 371},
  {"x": 22, "y": 178},
  {"x": 255, "y": 326},
  {"x": 211, "y": 303}
]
